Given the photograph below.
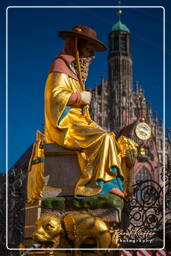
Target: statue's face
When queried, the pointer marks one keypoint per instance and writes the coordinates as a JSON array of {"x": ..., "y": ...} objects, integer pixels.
[
  {"x": 86, "y": 49},
  {"x": 46, "y": 228}
]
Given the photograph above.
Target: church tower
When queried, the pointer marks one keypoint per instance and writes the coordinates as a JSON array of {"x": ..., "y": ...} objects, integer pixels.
[
  {"x": 118, "y": 107},
  {"x": 120, "y": 75}
]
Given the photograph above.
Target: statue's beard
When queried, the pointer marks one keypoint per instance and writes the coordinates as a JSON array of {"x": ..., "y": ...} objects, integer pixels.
[{"x": 84, "y": 66}]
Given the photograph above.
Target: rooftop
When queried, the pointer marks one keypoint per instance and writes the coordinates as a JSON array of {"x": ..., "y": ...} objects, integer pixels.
[{"x": 120, "y": 26}]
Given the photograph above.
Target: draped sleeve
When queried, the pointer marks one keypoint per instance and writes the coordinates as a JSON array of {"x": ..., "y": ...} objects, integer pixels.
[{"x": 57, "y": 93}]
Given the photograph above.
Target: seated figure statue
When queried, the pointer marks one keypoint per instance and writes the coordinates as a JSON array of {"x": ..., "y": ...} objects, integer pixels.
[{"x": 104, "y": 160}]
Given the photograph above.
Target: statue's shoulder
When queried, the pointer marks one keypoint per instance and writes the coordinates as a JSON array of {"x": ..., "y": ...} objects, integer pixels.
[{"x": 58, "y": 77}]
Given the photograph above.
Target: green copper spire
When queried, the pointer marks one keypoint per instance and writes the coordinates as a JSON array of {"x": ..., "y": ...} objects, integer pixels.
[{"x": 119, "y": 25}]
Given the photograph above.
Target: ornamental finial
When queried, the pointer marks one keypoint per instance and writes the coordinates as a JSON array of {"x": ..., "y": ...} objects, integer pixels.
[{"x": 119, "y": 12}]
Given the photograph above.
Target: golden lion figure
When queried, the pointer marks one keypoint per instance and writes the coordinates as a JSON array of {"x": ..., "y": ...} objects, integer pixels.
[{"x": 72, "y": 231}]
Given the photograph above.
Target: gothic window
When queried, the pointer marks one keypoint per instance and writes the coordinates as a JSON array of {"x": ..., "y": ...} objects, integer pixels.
[
  {"x": 123, "y": 66},
  {"x": 117, "y": 67},
  {"x": 124, "y": 99},
  {"x": 116, "y": 43},
  {"x": 123, "y": 44},
  {"x": 143, "y": 175},
  {"x": 128, "y": 68}
]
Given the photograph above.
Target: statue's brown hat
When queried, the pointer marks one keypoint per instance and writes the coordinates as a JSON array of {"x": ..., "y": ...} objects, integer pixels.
[{"x": 85, "y": 33}]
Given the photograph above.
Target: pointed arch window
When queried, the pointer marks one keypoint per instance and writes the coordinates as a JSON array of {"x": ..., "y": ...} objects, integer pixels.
[
  {"x": 124, "y": 98},
  {"x": 143, "y": 175},
  {"x": 123, "y": 43},
  {"x": 116, "y": 43}
]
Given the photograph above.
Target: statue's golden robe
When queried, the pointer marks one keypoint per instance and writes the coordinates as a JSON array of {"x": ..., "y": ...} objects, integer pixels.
[{"x": 71, "y": 128}]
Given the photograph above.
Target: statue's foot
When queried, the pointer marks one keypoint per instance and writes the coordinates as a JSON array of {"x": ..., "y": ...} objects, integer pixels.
[{"x": 117, "y": 191}]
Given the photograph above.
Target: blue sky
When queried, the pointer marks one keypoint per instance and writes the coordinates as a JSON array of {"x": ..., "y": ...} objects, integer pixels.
[{"x": 33, "y": 44}]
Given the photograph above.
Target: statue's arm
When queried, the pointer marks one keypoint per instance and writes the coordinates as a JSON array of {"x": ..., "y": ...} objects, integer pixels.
[
  {"x": 57, "y": 93},
  {"x": 61, "y": 88}
]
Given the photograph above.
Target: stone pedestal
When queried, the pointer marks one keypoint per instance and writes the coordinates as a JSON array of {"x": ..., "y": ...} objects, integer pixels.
[{"x": 61, "y": 171}]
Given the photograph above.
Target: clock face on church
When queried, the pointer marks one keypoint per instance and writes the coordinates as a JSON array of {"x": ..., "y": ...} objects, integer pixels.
[{"x": 143, "y": 131}]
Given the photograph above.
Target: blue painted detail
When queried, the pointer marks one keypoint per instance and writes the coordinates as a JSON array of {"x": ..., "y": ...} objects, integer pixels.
[
  {"x": 120, "y": 26},
  {"x": 64, "y": 113},
  {"x": 114, "y": 169},
  {"x": 80, "y": 197},
  {"x": 38, "y": 160},
  {"x": 117, "y": 182},
  {"x": 108, "y": 185}
]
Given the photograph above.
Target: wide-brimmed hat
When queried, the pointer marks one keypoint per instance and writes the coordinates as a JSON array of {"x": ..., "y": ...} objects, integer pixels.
[{"x": 85, "y": 33}]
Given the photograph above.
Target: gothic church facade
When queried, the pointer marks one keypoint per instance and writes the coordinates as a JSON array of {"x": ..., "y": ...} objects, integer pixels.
[{"x": 116, "y": 105}]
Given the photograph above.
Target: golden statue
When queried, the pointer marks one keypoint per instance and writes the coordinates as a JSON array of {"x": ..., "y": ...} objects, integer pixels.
[
  {"x": 104, "y": 161},
  {"x": 68, "y": 122},
  {"x": 73, "y": 231},
  {"x": 36, "y": 170}
]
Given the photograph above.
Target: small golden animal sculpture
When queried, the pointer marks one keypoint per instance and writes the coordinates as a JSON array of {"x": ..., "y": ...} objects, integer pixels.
[{"x": 72, "y": 231}]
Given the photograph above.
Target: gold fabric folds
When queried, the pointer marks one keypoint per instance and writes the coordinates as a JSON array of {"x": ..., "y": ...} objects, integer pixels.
[
  {"x": 97, "y": 149},
  {"x": 35, "y": 179}
]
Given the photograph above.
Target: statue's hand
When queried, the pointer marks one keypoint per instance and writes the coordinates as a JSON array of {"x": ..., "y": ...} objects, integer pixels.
[{"x": 86, "y": 97}]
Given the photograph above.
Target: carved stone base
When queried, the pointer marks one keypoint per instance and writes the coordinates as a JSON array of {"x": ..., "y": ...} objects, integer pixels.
[
  {"x": 108, "y": 215},
  {"x": 61, "y": 171}
]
